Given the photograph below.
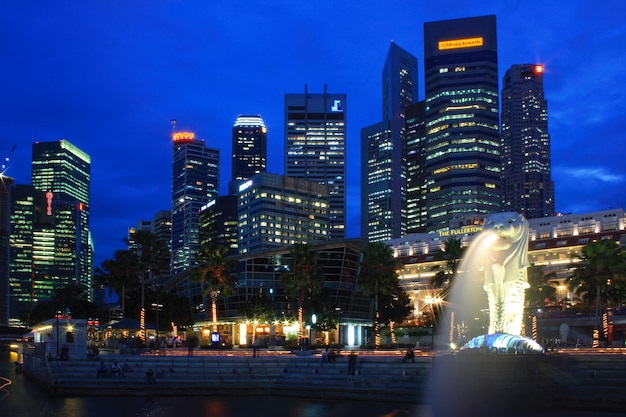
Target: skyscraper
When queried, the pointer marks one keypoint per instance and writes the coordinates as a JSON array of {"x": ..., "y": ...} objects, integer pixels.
[
  {"x": 249, "y": 147},
  {"x": 315, "y": 147},
  {"x": 23, "y": 284},
  {"x": 462, "y": 157},
  {"x": 62, "y": 246},
  {"x": 526, "y": 169},
  {"x": 383, "y": 152},
  {"x": 416, "y": 191},
  {"x": 195, "y": 182},
  {"x": 6, "y": 184}
]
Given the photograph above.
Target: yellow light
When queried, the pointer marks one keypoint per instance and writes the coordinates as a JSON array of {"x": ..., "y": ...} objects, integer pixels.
[
  {"x": 183, "y": 137},
  {"x": 460, "y": 43},
  {"x": 538, "y": 69}
]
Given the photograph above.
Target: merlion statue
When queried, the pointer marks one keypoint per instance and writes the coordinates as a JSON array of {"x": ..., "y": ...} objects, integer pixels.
[{"x": 505, "y": 271}]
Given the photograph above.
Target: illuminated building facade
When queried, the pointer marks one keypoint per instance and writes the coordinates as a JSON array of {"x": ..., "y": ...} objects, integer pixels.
[
  {"x": 554, "y": 245},
  {"x": 278, "y": 211},
  {"x": 6, "y": 184},
  {"x": 462, "y": 157},
  {"x": 526, "y": 169},
  {"x": 249, "y": 147},
  {"x": 383, "y": 152},
  {"x": 416, "y": 191},
  {"x": 62, "y": 250},
  {"x": 315, "y": 147},
  {"x": 259, "y": 278},
  {"x": 195, "y": 182}
]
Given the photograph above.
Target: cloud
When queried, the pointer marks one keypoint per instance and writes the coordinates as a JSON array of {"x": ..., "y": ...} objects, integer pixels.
[{"x": 594, "y": 174}]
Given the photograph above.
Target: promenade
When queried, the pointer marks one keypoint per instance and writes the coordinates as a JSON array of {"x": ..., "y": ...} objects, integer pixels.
[
  {"x": 375, "y": 376},
  {"x": 575, "y": 379}
]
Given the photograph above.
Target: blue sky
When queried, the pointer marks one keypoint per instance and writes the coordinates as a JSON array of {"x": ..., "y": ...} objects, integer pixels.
[{"x": 109, "y": 76}]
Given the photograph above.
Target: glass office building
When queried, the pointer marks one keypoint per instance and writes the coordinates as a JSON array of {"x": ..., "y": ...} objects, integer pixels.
[
  {"x": 195, "y": 182},
  {"x": 315, "y": 147},
  {"x": 383, "y": 152},
  {"x": 62, "y": 251},
  {"x": 526, "y": 169},
  {"x": 462, "y": 155}
]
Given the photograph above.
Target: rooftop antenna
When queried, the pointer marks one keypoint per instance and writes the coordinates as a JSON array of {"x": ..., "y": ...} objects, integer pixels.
[{"x": 173, "y": 125}]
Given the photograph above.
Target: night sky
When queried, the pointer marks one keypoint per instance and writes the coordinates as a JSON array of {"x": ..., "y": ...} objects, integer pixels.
[{"x": 109, "y": 76}]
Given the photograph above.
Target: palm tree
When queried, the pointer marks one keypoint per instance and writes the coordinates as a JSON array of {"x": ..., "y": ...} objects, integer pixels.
[
  {"x": 600, "y": 274},
  {"x": 302, "y": 279},
  {"x": 378, "y": 276},
  {"x": 452, "y": 255},
  {"x": 118, "y": 274},
  {"x": 395, "y": 307},
  {"x": 216, "y": 274},
  {"x": 154, "y": 260},
  {"x": 539, "y": 289}
]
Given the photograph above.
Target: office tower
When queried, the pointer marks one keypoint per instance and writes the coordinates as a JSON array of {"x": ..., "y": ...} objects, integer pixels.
[
  {"x": 195, "y": 182},
  {"x": 416, "y": 203},
  {"x": 249, "y": 147},
  {"x": 62, "y": 247},
  {"x": 6, "y": 184},
  {"x": 218, "y": 223},
  {"x": 383, "y": 152},
  {"x": 278, "y": 211},
  {"x": 526, "y": 174},
  {"x": 24, "y": 286},
  {"x": 315, "y": 147},
  {"x": 463, "y": 160}
]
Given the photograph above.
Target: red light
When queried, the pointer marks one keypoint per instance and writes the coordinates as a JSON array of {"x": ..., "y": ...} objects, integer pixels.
[{"x": 538, "y": 69}]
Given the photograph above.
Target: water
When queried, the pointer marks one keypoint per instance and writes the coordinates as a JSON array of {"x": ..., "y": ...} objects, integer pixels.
[{"x": 23, "y": 398}]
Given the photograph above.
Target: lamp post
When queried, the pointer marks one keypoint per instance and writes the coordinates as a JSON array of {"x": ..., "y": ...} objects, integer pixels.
[
  {"x": 157, "y": 307},
  {"x": 58, "y": 316}
]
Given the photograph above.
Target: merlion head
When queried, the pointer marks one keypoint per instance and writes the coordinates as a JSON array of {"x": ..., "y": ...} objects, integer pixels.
[{"x": 511, "y": 230}]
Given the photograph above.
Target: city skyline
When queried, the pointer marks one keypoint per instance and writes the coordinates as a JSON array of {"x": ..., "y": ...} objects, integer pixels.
[{"x": 110, "y": 79}]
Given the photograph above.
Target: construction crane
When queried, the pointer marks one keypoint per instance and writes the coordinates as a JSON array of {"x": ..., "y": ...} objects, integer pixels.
[{"x": 5, "y": 164}]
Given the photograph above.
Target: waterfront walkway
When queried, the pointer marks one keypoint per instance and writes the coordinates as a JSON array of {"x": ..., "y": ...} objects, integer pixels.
[
  {"x": 373, "y": 376},
  {"x": 575, "y": 379}
]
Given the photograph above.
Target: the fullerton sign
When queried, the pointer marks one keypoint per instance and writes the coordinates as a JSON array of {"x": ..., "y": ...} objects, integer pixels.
[{"x": 461, "y": 231}]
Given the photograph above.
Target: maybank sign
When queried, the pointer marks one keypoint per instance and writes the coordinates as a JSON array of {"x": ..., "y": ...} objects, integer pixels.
[
  {"x": 461, "y": 231},
  {"x": 460, "y": 43}
]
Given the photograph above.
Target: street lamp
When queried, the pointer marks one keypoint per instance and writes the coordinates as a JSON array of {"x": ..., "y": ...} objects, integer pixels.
[
  {"x": 157, "y": 307},
  {"x": 58, "y": 316}
]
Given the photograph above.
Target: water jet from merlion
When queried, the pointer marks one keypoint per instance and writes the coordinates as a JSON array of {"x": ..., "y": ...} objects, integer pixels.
[
  {"x": 493, "y": 279},
  {"x": 497, "y": 371}
]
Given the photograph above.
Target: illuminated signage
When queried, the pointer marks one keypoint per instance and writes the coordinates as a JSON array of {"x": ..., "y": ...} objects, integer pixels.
[
  {"x": 337, "y": 106},
  {"x": 207, "y": 205},
  {"x": 461, "y": 231},
  {"x": 49, "y": 196},
  {"x": 245, "y": 185},
  {"x": 183, "y": 136},
  {"x": 460, "y": 43},
  {"x": 538, "y": 69}
]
